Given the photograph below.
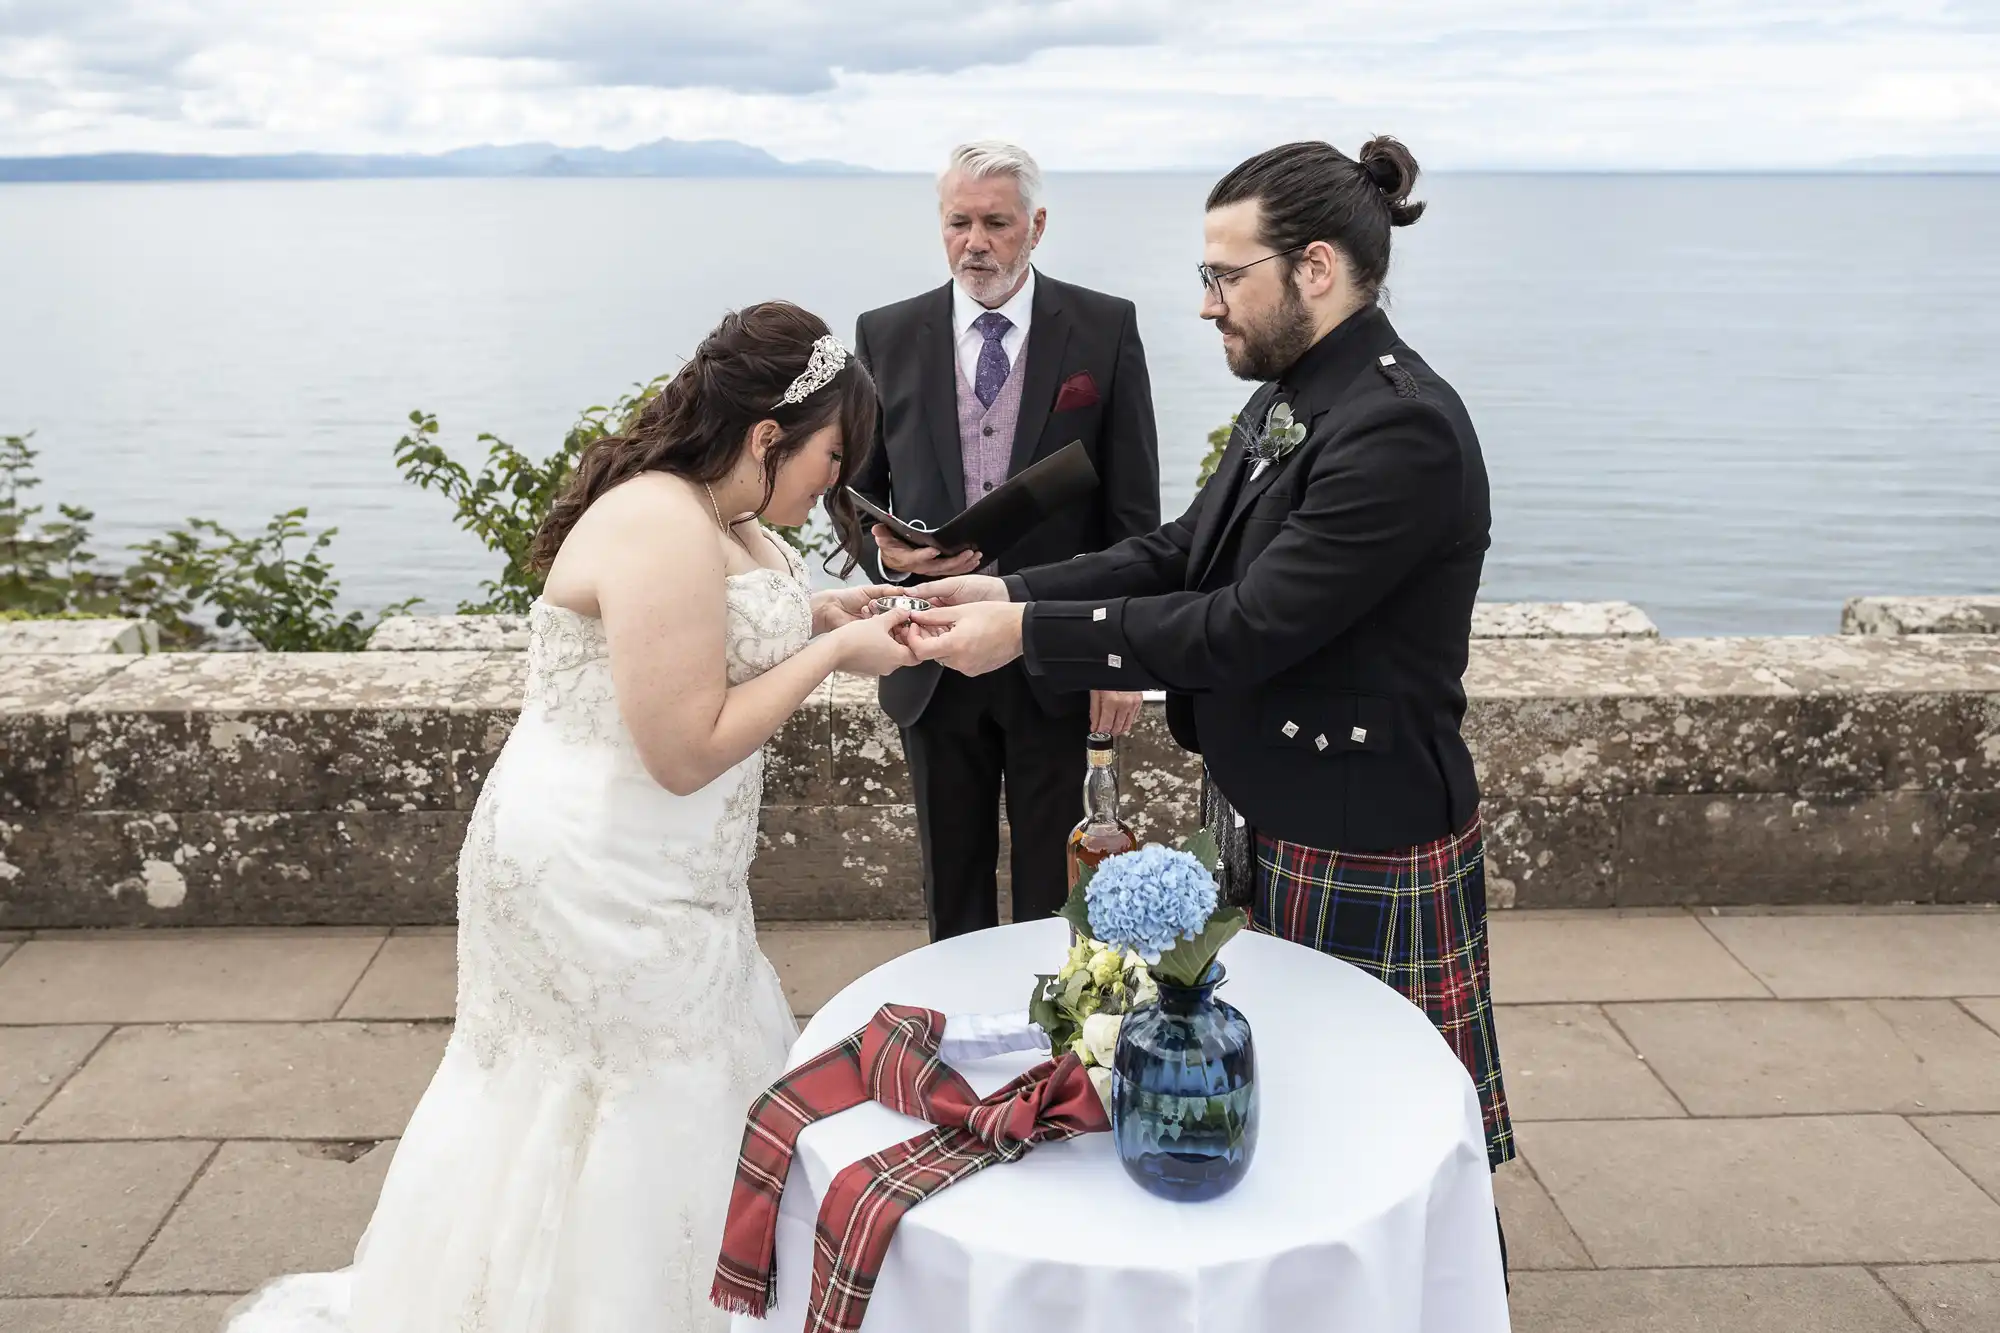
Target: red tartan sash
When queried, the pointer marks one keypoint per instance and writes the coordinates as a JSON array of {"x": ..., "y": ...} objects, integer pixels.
[{"x": 894, "y": 1061}]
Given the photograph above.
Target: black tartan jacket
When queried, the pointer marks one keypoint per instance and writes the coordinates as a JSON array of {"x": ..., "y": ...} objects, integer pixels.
[{"x": 1309, "y": 621}]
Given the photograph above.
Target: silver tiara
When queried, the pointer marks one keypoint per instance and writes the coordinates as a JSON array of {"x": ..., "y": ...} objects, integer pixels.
[{"x": 828, "y": 356}]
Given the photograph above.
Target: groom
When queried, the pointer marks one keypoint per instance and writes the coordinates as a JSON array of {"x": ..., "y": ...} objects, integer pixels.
[{"x": 1309, "y": 615}]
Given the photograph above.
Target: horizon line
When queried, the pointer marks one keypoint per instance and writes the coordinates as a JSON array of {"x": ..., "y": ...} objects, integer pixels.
[{"x": 810, "y": 172}]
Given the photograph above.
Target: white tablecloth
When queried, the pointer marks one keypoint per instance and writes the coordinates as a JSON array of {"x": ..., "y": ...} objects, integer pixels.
[{"x": 1368, "y": 1207}]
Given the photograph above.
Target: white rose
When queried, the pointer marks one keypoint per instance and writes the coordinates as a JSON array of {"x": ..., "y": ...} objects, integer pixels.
[
  {"x": 1100, "y": 1036},
  {"x": 1100, "y": 1078}
]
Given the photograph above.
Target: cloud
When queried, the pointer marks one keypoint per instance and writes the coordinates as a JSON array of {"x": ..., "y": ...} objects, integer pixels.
[
  {"x": 1088, "y": 84},
  {"x": 802, "y": 46}
]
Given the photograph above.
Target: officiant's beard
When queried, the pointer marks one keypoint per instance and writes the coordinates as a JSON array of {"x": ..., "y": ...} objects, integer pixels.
[
  {"x": 988, "y": 283},
  {"x": 1270, "y": 343}
]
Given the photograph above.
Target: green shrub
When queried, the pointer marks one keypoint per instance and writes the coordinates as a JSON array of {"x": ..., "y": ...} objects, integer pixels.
[
  {"x": 1218, "y": 441},
  {"x": 46, "y": 566},
  {"x": 10, "y": 617},
  {"x": 283, "y": 599}
]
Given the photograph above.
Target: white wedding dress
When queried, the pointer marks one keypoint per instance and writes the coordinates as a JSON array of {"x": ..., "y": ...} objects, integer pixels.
[{"x": 569, "y": 1168}]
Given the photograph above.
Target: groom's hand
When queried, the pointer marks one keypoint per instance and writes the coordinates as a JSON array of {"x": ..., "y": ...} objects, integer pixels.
[
  {"x": 962, "y": 591},
  {"x": 970, "y": 639}
]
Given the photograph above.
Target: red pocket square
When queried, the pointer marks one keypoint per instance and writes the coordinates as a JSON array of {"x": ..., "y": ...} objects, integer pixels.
[{"x": 1079, "y": 390}]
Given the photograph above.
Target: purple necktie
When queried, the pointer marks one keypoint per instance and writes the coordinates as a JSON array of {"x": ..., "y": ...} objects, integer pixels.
[{"x": 992, "y": 374}]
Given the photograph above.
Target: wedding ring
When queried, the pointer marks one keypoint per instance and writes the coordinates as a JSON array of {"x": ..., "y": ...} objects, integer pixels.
[{"x": 886, "y": 604}]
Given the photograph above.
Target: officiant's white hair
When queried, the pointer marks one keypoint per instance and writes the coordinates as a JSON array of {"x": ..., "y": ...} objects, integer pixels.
[{"x": 996, "y": 157}]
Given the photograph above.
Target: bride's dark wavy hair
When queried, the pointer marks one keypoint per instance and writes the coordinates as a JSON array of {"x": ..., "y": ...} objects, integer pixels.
[{"x": 699, "y": 424}]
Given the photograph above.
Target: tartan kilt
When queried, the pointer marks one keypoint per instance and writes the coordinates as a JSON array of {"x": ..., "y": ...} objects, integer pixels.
[{"x": 1414, "y": 918}]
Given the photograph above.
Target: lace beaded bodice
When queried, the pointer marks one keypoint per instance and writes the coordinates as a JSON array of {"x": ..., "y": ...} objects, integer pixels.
[{"x": 569, "y": 662}]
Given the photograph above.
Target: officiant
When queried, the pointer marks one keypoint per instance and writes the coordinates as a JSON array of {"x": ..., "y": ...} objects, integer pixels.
[
  {"x": 1310, "y": 614},
  {"x": 980, "y": 378}
]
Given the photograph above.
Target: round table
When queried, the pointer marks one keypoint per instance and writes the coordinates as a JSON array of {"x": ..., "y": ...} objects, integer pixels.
[{"x": 1368, "y": 1207}]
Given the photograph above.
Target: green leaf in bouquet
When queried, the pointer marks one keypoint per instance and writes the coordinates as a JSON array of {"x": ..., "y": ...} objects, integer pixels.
[
  {"x": 1070, "y": 996},
  {"x": 1077, "y": 910},
  {"x": 1187, "y": 962},
  {"x": 1046, "y": 1014},
  {"x": 1201, "y": 845}
]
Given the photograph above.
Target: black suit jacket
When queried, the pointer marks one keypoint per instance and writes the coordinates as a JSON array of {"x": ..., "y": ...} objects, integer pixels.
[
  {"x": 1310, "y": 624},
  {"x": 917, "y": 468}
]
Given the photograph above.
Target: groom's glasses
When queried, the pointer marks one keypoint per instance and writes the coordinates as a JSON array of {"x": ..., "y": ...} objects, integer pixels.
[{"x": 1211, "y": 277}]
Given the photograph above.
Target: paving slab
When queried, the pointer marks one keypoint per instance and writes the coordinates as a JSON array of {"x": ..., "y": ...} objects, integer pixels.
[
  {"x": 1817, "y": 1057},
  {"x": 73, "y": 1216},
  {"x": 1915, "y": 954},
  {"x": 1567, "y": 1062},
  {"x": 1797, "y": 1190},
  {"x": 1537, "y": 1236},
  {"x": 265, "y": 1209},
  {"x": 816, "y": 962},
  {"x": 33, "y": 1064},
  {"x": 1585, "y": 957},
  {"x": 1986, "y": 1011},
  {"x": 163, "y": 978},
  {"x": 1972, "y": 1142},
  {"x": 118, "y": 1314},
  {"x": 415, "y": 976},
  {"x": 1949, "y": 1298},
  {"x": 1728, "y": 1300},
  {"x": 345, "y": 1081}
]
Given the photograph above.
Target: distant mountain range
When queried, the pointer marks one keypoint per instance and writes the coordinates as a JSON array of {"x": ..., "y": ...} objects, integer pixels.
[{"x": 664, "y": 157}]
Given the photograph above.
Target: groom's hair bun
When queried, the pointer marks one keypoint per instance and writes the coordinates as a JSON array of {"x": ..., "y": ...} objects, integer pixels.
[
  {"x": 1311, "y": 191},
  {"x": 1394, "y": 171}
]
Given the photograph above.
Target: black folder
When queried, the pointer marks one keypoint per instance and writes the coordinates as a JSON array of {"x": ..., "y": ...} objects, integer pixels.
[{"x": 1005, "y": 514}]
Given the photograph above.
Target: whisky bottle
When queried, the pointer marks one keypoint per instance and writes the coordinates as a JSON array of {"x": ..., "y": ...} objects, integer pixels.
[{"x": 1101, "y": 833}]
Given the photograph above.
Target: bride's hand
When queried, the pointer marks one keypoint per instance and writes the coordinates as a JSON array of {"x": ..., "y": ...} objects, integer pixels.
[
  {"x": 840, "y": 606},
  {"x": 874, "y": 646}
]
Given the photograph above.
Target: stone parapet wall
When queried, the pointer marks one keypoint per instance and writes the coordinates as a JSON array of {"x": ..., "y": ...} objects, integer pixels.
[
  {"x": 66, "y": 637},
  {"x": 1561, "y": 620},
  {"x": 1963, "y": 614},
  {"x": 450, "y": 634},
  {"x": 1490, "y": 620},
  {"x": 270, "y": 788}
]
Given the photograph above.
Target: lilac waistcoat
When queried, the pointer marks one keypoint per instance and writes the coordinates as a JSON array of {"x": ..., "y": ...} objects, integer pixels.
[{"x": 986, "y": 434}]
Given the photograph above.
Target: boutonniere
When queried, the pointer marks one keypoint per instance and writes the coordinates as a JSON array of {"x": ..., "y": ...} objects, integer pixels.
[{"x": 1281, "y": 435}]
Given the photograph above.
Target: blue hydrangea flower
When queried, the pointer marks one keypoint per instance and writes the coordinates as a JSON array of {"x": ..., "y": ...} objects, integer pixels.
[{"x": 1149, "y": 900}]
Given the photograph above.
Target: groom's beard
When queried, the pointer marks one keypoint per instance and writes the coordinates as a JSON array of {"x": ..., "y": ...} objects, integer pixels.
[{"x": 1271, "y": 344}]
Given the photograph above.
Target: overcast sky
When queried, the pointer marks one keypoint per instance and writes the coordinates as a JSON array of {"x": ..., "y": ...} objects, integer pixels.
[{"x": 1084, "y": 83}]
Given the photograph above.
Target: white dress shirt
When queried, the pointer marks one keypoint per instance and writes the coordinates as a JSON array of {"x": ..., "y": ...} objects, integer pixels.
[{"x": 1019, "y": 309}]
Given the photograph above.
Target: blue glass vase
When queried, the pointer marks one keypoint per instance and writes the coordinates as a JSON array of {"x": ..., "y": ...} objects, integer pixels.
[{"x": 1184, "y": 1093}]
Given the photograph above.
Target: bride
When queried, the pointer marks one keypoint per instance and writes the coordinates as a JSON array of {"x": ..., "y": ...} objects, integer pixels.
[{"x": 569, "y": 1169}]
